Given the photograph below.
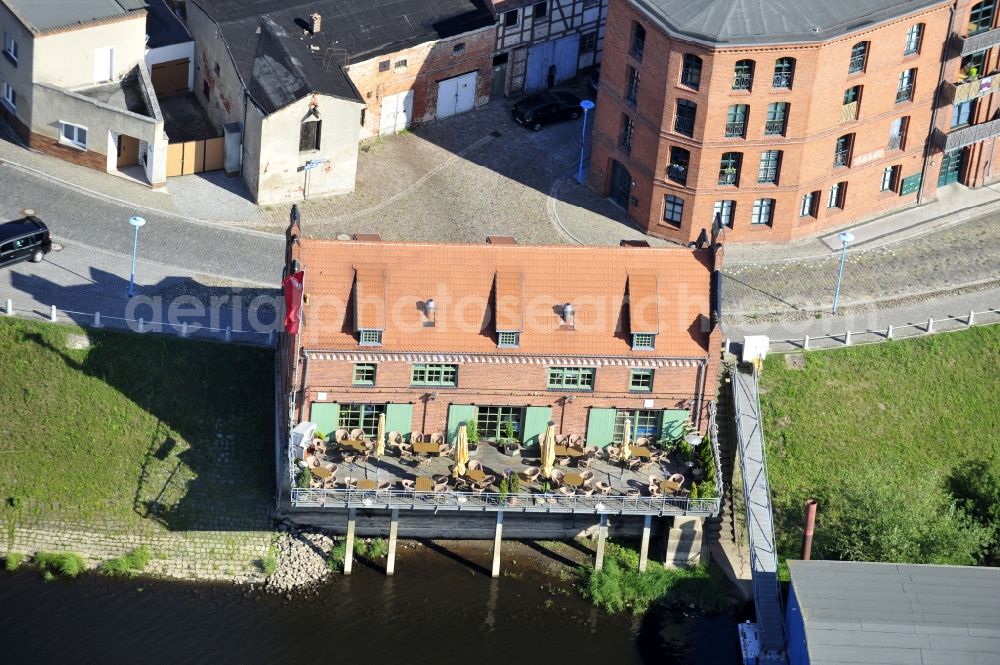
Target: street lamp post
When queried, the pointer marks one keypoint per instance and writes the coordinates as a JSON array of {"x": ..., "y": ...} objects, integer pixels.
[
  {"x": 586, "y": 105},
  {"x": 845, "y": 238},
  {"x": 136, "y": 222}
]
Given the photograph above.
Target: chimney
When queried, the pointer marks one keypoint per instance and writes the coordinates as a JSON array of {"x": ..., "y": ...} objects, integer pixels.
[{"x": 316, "y": 20}]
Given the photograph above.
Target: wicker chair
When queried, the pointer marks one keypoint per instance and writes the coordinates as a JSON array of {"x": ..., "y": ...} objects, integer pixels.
[
  {"x": 475, "y": 465},
  {"x": 340, "y": 435},
  {"x": 566, "y": 491},
  {"x": 557, "y": 478},
  {"x": 563, "y": 461},
  {"x": 440, "y": 488},
  {"x": 642, "y": 441},
  {"x": 530, "y": 474},
  {"x": 585, "y": 489},
  {"x": 562, "y": 439},
  {"x": 357, "y": 434},
  {"x": 603, "y": 488},
  {"x": 674, "y": 484},
  {"x": 440, "y": 478},
  {"x": 655, "y": 491},
  {"x": 587, "y": 475},
  {"x": 613, "y": 454},
  {"x": 416, "y": 437},
  {"x": 350, "y": 483},
  {"x": 437, "y": 437},
  {"x": 385, "y": 486},
  {"x": 655, "y": 480},
  {"x": 408, "y": 485},
  {"x": 444, "y": 450}
]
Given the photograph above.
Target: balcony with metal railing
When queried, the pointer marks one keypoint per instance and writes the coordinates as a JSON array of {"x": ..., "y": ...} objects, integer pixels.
[
  {"x": 896, "y": 142},
  {"x": 729, "y": 176},
  {"x": 782, "y": 80},
  {"x": 857, "y": 63},
  {"x": 774, "y": 127},
  {"x": 958, "y": 93},
  {"x": 742, "y": 81},
  {"x": 849, "y": 112},
  {"x": 904, "y": 94},
  {"x": 736, "y": 130},
  {"x": 979, "y": 41},
  {"x": 842, "y": 158},
  {"x": 970, "y": 134},
  {"x": 684, "y": 125}
]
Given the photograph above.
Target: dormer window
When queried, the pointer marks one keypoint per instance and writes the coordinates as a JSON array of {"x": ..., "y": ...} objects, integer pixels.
[
  {"x": 643, "y": 341},
  {"x": 371, "y": 337},
  {"x": 508, "y": 339}
]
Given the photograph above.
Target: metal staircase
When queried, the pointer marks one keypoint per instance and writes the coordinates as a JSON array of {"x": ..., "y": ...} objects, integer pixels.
[{"x": 760, "y": 520}]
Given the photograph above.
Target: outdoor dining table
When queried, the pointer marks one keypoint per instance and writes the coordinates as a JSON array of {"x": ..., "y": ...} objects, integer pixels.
[
  {"x": 567, "y": 451},
  {"x": 321, "y": 472},
  {"x": 367, "y": 484},
  {"x": 573, "y": 479},
  {"x": 640, "y": 451},
  {"x": 425, "y": 447},
  {"x": 424, "y": 484},
  {"x": 353, "y": 444},
  {"x": 475, "y": 475}
]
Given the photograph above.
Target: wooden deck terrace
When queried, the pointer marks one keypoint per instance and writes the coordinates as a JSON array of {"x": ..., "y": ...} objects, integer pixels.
[{"x": 629, "y": 493}]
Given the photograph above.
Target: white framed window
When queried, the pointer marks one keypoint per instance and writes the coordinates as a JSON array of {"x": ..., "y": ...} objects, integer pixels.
[
  {"x": 763, "y": 212},
  {"x": 643, "y": 341},
  {"x": 8, "y": 95},
  {"x": 724, "y": 211},
  {"x": 371, "y": 337},
  {"x": 890, "y": 178},
  {"x": 74, "y": 135},
  {"x": 508, "y": 339},
  {"x": 913, "y": 38},
  {"x": 10, "y": 47}
]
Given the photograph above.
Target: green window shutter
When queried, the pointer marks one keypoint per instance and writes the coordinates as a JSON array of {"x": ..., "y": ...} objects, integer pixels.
[
  {"x": 399, "y": 418},
  {"x": 536, "y": 419},
  {"x": 458, "y": 414},
  {"x": 600, "y": 427},
  {"x": 326, "y": 416},
  {"x": 672, "y": 425}
]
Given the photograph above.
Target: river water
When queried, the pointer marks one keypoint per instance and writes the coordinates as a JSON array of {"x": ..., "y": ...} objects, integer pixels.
[{"x": 437, "y": 612}]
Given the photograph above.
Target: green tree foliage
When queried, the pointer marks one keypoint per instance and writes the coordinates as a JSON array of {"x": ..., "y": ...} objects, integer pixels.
[
  {"x": 976, "y": 488},
  {"x": 877, "y": 514}
]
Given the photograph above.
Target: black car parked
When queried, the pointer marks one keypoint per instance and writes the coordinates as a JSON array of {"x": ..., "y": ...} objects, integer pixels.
[
  {"x": 26, "y": 238},
  {"x": 547, "y": 107}
]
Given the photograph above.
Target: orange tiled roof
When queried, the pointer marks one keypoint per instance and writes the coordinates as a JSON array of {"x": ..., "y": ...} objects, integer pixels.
[{"x": 396, "y": 279}]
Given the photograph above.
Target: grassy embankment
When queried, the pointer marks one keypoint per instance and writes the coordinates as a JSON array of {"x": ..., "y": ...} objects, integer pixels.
[
  {"x": 135, "y": 431},
  {"x": 899, "y": 442}
]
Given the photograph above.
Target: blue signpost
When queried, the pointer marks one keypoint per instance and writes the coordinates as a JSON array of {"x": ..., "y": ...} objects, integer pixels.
[
  {"x": 136, "y": 223},
  {"x": 845, "y": 238},
  {"x": 586, "y": 105},
  {"x": 309, "y": 166}
]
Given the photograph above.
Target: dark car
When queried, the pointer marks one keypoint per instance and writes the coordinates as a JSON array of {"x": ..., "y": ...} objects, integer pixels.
[
  {"x": 547, "y": 107},
  {"x": 26, "y": 238}
]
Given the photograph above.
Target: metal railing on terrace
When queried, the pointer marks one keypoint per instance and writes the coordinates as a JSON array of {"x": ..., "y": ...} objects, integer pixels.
[
  {"x": 742, "y": 81},
  {"x": 782, "y": 80},
  {"x": 684, "y": 125},
  {"x": 896, "y": 142},
  {"x": 904, "y": 94},
  {"x": 495, "y": 501},
  {"x": 842, "y": 158},
  {"x": 774, "y": 127},
  {"x": 736, "y": 130}
]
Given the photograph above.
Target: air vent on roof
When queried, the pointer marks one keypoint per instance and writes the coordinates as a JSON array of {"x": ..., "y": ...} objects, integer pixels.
[
  {"x": 316, "y": 21},
  {"x": 500, "y": 240}
]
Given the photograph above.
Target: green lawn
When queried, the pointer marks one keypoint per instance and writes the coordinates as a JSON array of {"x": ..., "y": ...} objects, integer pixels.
[
  {"x": 136, "y": 427},
  {"x": 892, "y": 421}
]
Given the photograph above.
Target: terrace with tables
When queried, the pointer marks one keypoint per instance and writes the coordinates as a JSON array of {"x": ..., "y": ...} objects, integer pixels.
[{"x": 420, "y": 474}]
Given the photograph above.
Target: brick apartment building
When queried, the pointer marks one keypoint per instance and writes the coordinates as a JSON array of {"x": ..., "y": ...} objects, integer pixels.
[
  {"x": 433, "y": 335},
  {"x": 785, "y": 119}
]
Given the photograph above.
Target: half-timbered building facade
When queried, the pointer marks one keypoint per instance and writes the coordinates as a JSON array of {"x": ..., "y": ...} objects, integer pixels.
[{"x": 542, "y": 44}]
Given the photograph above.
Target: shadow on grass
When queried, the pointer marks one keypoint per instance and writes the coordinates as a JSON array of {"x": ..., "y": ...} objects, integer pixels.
[{"x": 189, "y": 425}]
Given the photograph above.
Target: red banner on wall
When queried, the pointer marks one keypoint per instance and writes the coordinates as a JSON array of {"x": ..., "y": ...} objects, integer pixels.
[{"x": 292, "y": 286}]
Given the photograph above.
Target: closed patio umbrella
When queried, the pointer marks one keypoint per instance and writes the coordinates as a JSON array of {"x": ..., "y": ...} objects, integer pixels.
[
  {"x": 380, "y": 437},
  {"x": 548, "y": 450},
  {"x": 461, "y": 451},
  {"x": 626, "y": 450}
]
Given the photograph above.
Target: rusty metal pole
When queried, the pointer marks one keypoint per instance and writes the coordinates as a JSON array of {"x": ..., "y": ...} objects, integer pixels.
[{"x": 807, "y": 537}]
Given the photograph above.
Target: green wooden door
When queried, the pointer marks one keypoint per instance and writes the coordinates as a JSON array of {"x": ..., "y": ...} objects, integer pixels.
[
  {"x": 399, "y": 418},
  {"x": 458, "y": 414},
  {"x": 672, "y": 424},
  {"x": 600, "y": 427},
  {"x": 951, "y": 167},
  {"x": 326, "y": 416},
  {"x": 536, "y": 419}
]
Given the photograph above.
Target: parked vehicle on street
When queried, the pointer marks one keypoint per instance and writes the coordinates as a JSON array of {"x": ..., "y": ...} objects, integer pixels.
[
  {"x": 25, "y": 238},
  {"x": 544, "y": 108}
]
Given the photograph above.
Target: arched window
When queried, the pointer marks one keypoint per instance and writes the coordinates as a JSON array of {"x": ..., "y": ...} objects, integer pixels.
[
  {"x": 691, "y": 72},
  {"x": 981, "y": 16},
  {"x": 684, "y": 120},
  {"x": 743, "y": 75},
  {"x": 859, "y": 57},
  {"x": 784, "y": 69}
]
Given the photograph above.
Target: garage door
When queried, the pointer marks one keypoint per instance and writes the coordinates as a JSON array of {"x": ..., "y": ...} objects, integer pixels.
[
  {"x": 552, "y": 63},
  {"x": 456, "y": 95},
  {"x": 170, "y": 78},
  {"x": 397, "y": 113}
]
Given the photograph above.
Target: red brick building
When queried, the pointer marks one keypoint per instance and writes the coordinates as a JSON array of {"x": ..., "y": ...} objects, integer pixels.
[
  {"x": 434, "y": 335},
  {"x": 786, "y": 119}
]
